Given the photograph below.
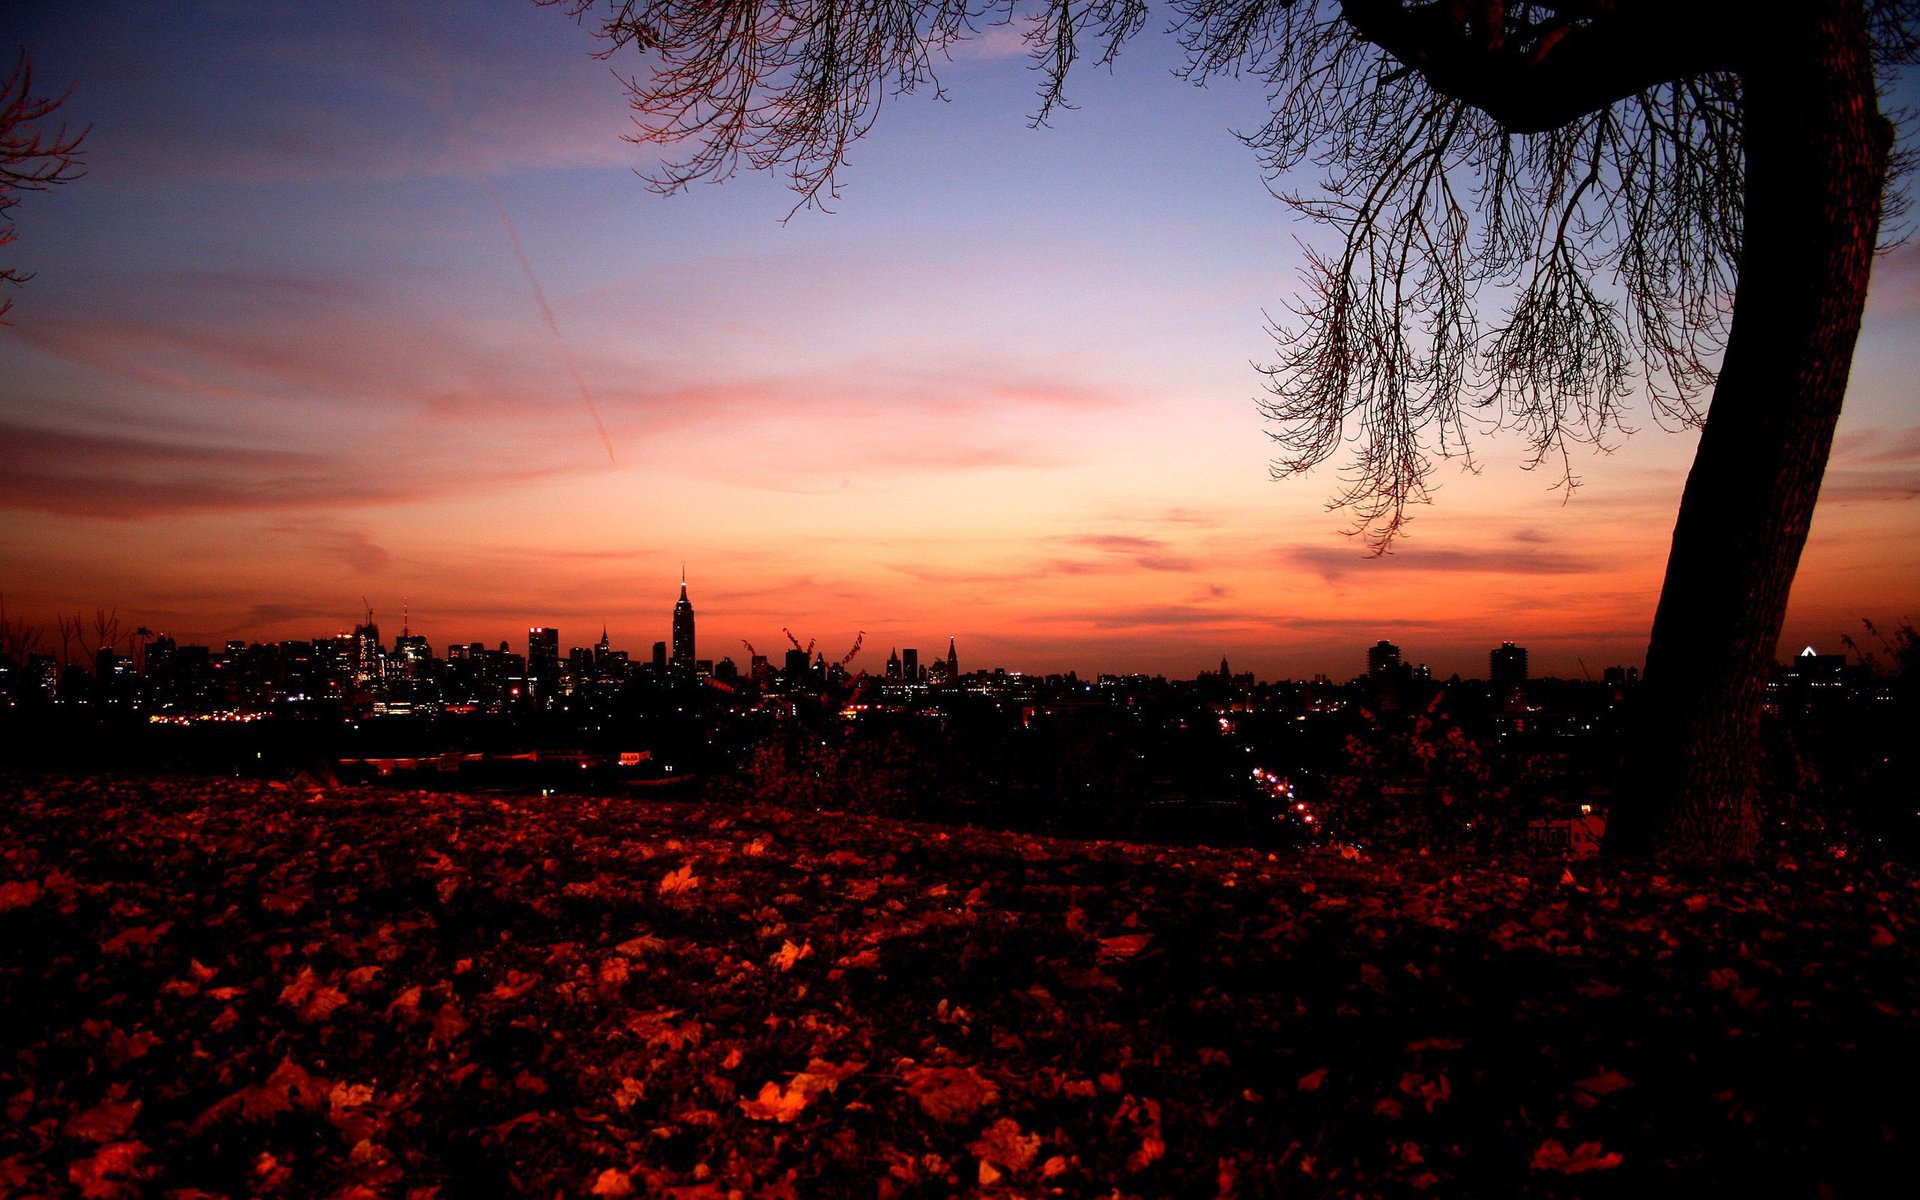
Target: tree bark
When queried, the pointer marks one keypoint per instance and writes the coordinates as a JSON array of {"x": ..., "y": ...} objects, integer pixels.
[{"x": 1816, "y": 150}]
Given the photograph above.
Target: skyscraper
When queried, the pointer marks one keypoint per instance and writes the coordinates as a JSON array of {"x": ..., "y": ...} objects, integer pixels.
[
  {"x": 1507, "y": 671},
  {"x": 1383, "y": 658},
  {"x": 682, "y": 659},
  {"x": 543, "y": 660},
  {"x": 1507, "y": 665},
  {"x": 953, "y": 662}
]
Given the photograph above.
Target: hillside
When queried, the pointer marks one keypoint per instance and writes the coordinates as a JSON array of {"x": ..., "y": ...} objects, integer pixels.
[{"x": 234, "y": 988}]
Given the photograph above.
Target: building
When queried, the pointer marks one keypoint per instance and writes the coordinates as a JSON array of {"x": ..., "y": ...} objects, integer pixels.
[
  {"x": 796, "y": 667},
  {"x": 1507, "y": 672},
  {"x": 1507, "y": 665},
  {"x": 543, "y": 660},
  {"x": 953, "y": 662},
  {"x": 1383, "y": 659},
  {"x": 682, "y": 658},
  {"x": 910, "y": 665}
]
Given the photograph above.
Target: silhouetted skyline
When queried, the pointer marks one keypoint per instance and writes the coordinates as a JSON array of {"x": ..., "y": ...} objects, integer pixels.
[{"x": 283, "y": 350}]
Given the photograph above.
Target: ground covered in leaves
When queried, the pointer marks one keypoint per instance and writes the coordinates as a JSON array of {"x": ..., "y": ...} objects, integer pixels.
[{"x": 228, "y": 988}]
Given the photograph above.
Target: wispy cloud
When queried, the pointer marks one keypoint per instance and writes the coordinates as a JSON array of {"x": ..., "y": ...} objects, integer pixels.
[
  {"x": 129, "y": 477},
  {"x": 351, "y": 546},
  {"x": 1147, "y": 553},
  {"x": 1336, "y": 565}
]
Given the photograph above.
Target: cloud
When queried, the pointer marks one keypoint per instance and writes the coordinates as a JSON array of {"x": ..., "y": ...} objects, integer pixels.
[
  {"x": 389, "y": 93},
  {"x": 279, "y": 614},
  {"x": 1847, "y": 487},
  {"x": 131, "y": 477},
  {"x": 1336, "y": 565},
  {"x": 1876, "y": 447},
  {"x": 1146, "y": 553},
  {"x": 1164, "y": 562},
  {"x": 264, "y": 341},
  {"x": 1895, "y": 290},
  {"x": 942, "y": 575},
  {"x": 998, "y": 41},
  {"x": 1873, "y": 465},
  {"x": 1115, "y": 543},
  {"x": 351, "y": 546},
  {"x": 1160, "y": 616}
]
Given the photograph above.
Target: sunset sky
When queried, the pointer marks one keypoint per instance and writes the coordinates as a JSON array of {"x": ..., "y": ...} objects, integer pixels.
[{"x": 281, "y": 353}]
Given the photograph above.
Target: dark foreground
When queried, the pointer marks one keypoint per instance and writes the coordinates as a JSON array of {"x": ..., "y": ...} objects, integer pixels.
[{"x": 241, "y": 989}]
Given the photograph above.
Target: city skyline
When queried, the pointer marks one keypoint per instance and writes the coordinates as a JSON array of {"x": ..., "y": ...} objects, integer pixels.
[
  {"x": 681, "y": 654},
  {"x": 289, "y": 345}
]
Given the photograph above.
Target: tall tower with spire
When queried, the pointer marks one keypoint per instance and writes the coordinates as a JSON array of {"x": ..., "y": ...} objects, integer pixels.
[
  {"x": 953, "y": 663},
  {"x": 682, "y": 657}
]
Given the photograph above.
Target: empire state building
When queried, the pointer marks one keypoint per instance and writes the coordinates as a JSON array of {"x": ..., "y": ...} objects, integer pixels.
[{"x": 682, "y": 658}]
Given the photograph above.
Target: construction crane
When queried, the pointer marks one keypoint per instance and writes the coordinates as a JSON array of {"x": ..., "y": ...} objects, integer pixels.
[
  {"x": 751, "y": 652},
  {"x": 857, "y": 639},
  {"x": 806, "y": 649}
]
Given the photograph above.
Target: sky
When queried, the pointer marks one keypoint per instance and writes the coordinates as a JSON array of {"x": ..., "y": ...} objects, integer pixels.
[{"x": 364, "y": 304}]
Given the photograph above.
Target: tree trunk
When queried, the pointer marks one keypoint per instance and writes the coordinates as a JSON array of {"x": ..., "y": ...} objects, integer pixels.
[{"x": 1816, "y": 151}]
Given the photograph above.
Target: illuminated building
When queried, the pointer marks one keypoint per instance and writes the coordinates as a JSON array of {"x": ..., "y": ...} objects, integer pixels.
[
  {"x": 1507, "y": 672},
  {"x": 1507, "y": 665},
  {"x": 682, "y": 659},
  {"x": 543, "y": 660},
  {"x": 1383, "y": 658}
]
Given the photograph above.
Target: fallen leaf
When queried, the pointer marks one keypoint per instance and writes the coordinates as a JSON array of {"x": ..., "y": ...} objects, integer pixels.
[
  {"x": 682, "y": 880},
  {"x": 1606, "y": 1082},
  {"x": 950, "y": 1093},
  {"x": 1125, "y": 945},
  {"x": 106, "y": 1121},
  {"x": 18, "y": 893},
  {"x": 1587, "y": 1156},
  {"x": 789, "y": 954},
  {"x": 1005, "y": 1144}
]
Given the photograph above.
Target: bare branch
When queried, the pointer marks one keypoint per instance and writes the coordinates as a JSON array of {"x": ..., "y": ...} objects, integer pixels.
[{"x": 31, "y": 159}]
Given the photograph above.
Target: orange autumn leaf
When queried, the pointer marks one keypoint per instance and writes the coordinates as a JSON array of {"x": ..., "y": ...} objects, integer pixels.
[
  {"x": 783, "y": 1104},
  {"x": 1605, "y": 1082},
  {"x": 824, "y": 1076},
  {"x": 110, "y": 1172},
  {"x": 106, "y": 1121},
  {"x": 514, "y": 985},
  {"x": 1006, "y": 1145},
  {"x": 1587, "y": 1156},
  {"x": 448, "y": 1024},
  {"x": 1125, "y": 945},
  {"x": 17, "y": 893},
  {"x": 950, "y": 1093},
  {"x": 636, "y": 947},
  {"x": 679, "y": 881},
  {"x": 789, "y": 954},
  {"x": 137, "y": 937},
  {"x": 775, "y": 1103},
  {"x": 289, "y": 1087},
  {"x": 310, "y": 998}
]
